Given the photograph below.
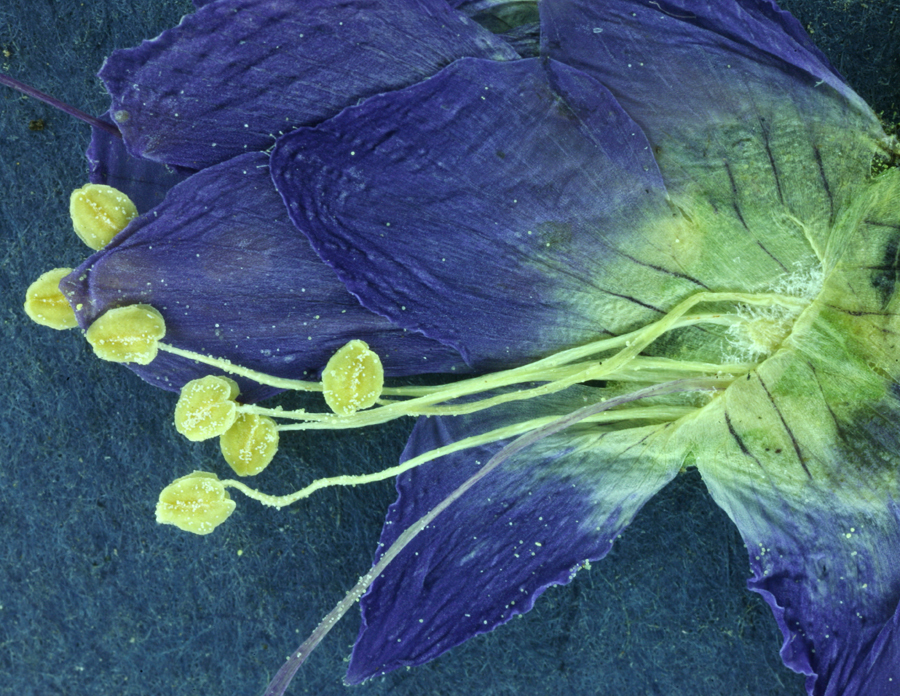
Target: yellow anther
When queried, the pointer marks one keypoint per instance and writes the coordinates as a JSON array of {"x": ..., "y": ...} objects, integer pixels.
[
  {"x": 250, "y": 444},
  {"x": 196, "y": 503},
  {"x": 45, "y": 303},
  {"x": 127, "y": 334},
  {"x": 352, "y": 379},
  {"x": 206, "y": 407},
  {"x": 99, "y": 213}
]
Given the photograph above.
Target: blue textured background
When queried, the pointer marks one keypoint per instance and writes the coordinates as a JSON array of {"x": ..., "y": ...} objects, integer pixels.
[{"x": 95, "y": 598}]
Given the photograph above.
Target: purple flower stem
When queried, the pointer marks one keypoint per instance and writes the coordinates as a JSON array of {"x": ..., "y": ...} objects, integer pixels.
[{"x": 56, "y": 103}]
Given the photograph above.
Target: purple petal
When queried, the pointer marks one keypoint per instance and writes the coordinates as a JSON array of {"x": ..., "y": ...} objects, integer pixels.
[
  {"x": 144, "y": 181},
  {"x": 671, "y": 60},
  {"x": 529, "y": 524},
  {"x": 502, "y": 208},
  {"x": 234, "y": 74},
  {"x": 234, "y": 279},
  {"x": 758, "y": 140},
  {"x": 813, "y": 484},
  {"x": 690, "y": 71}
]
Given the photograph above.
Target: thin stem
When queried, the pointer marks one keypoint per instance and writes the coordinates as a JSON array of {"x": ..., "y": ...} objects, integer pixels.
[{"x": 57, "y": 104}]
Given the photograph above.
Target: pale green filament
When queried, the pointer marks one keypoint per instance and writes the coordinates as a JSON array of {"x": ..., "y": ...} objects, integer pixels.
[
  {"x": 542, "y": 377},
  {"x": 556, "y": 372},
  {"x": 650, "y": 413}
]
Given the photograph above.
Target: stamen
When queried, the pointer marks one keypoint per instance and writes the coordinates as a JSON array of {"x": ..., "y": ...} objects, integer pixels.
[
  {"x": 196, "y": 503},
  {"x": 546, "y": 376},
  {"x": 650, "y": 413},
  {"x": 99, "y": 213},
  {"x": 45, "y": 303},
  {"x": 353, "y": 378},
  {"x": 206, "y": 407},
  {"x": 127, "y": 334}
]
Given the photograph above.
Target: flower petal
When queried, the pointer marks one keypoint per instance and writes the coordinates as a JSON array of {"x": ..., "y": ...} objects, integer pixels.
[
  {"x": 529, "y": 524},
  {"x": 804, "y": 455},
  {"x": 233, "y": 278},
  {"x": 236, "y": 72},
  {"x": 823, "y": 550},
  {"x": 507, "y": 209},
  {"x": 145, "y": 182},
  {"x": 746, "y": 117}
]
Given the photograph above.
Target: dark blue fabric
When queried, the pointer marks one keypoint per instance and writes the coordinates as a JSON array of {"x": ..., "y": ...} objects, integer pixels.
[{"x": 97, "y": 599}]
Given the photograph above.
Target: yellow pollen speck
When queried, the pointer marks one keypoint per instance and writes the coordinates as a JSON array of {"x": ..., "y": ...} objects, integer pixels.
[
  {"x": 45, "y": 303},
  {"x": 99, "y": 213},
  {"x": 127, "y": 334},
  {"x": 352, "y": 379},
  {"x": 196, "y": 503}
]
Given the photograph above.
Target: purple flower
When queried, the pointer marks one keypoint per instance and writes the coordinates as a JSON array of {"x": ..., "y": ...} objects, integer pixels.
[{"x": 661, "y": 235}]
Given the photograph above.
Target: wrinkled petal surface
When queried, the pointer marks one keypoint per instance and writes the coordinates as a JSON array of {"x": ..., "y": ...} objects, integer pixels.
[
  {"x": 517, "y": 21},
  {"x": 233, "y": 75},
  {"x": 804, "y": 455},
  {"x": 234, "y": 279},
  {"x": 507, "y": 209},
  {"x": 529, "y": 524},
  {"x": 144, "y": 181},
  {"x": 755, "y": 133}
]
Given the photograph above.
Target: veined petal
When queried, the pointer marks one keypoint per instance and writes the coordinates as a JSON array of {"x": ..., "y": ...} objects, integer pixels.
[
  {"x": 236, "y": 73},
  {"x": 529, "y": 524},
  {"x": 804, "y": 455},
  {"x": 507, "y": 209},
  {"x": 234, "y": 279},
  {"x": 755, "y": 133}
]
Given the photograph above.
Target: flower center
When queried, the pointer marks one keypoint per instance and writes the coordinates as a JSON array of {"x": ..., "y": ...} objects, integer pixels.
[{"x": 765, "y": 327}]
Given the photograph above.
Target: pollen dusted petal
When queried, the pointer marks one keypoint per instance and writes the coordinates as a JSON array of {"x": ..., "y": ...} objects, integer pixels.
[
  {"x": 237, "y": 71},
  {"x": 250, "y": 444},
  {"x": 196, "y": 503},
  {"x": 99, "y": 213},
  {"x": 127, "y": 334},
  {"x": 45, "y": 303},
  {"x": 529, "y": 524},
  {"x": 206, "y": 407},
  {"x": 756, "y": 135},
  {"x": 507, "y": 209},
  {"x": 352, "y": 379}
]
